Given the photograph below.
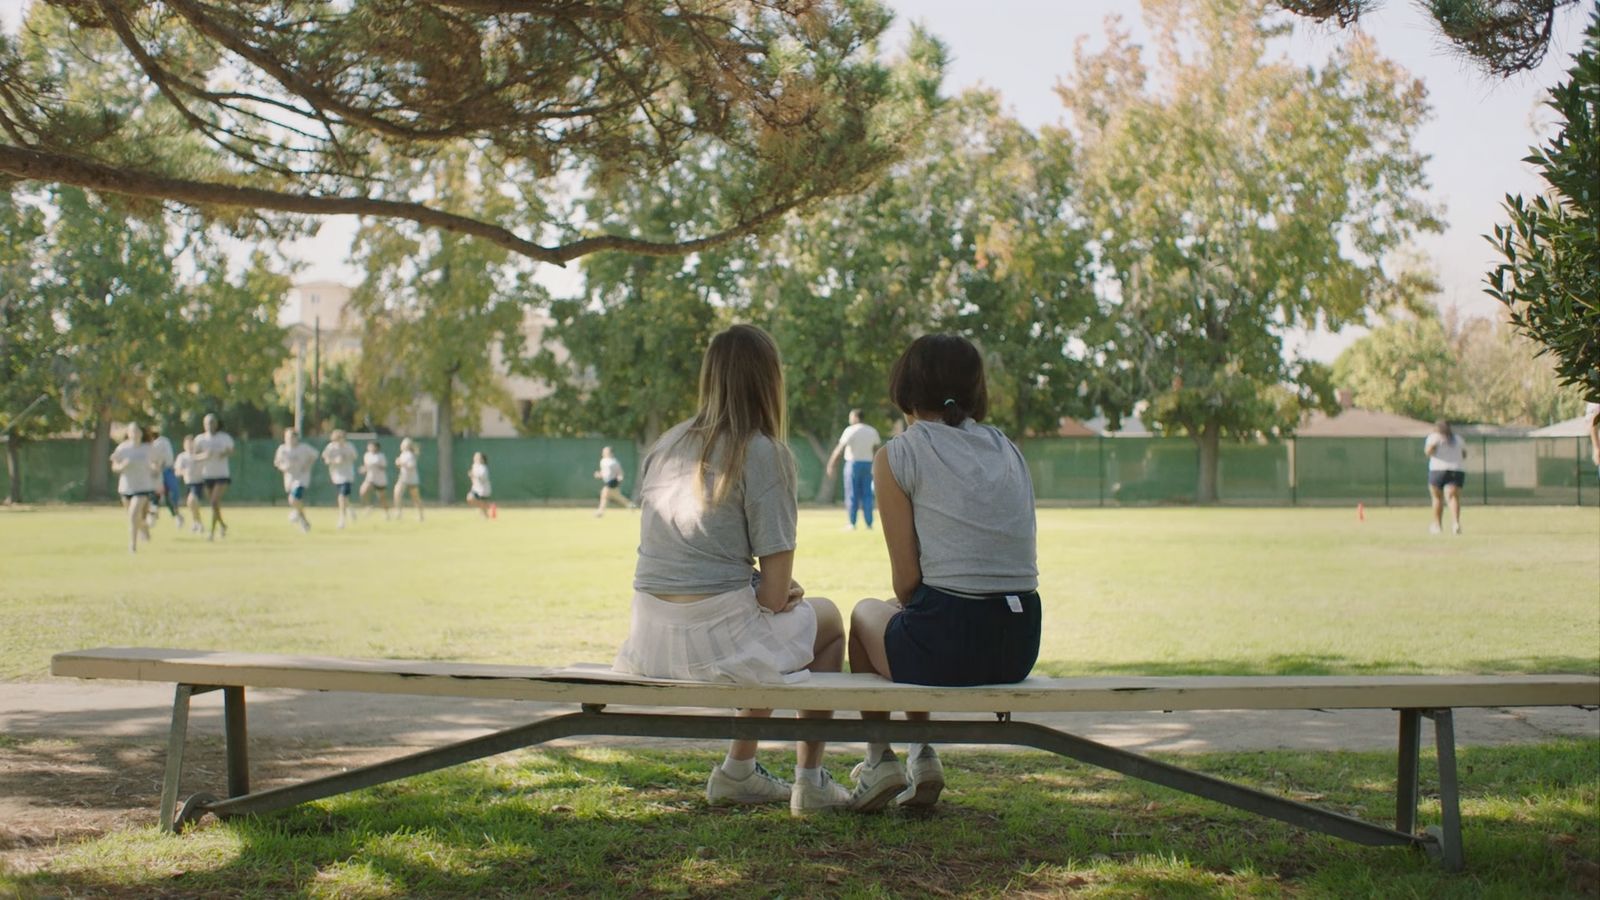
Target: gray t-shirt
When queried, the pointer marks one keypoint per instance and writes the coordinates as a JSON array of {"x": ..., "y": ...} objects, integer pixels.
[
  {"x": 972, "y": 507},
  {"x": 687, "y": 547}
]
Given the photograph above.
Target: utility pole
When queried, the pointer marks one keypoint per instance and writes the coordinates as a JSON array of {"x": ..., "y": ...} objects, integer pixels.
[{"x": 316, "y": 371}]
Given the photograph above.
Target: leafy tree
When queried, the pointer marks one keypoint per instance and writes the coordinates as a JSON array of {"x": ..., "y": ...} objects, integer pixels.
[
  {"x": 1550, "y": 279},
  {"x": 1236, "y": 198},
  {"x": 436, "y": 304},
  {"x": 30, "y": 342},
  {"x": 1505, "y": 381},
  {"x": 1406, "y": 366},
  {"x": 1503, "y": 36},
  {"x": 308, "y": 106}
]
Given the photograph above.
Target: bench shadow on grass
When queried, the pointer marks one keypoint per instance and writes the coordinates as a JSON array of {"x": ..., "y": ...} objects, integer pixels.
[
  {"x": 1318, "y": 664},
  {"x": 582, "y": 822}
]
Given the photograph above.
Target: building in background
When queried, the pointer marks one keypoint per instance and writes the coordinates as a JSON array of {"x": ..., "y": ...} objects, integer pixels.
[{"x": 321, "y": 327}]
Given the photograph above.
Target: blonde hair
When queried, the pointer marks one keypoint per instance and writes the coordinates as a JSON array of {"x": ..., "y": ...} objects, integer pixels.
[{"x": 741, "y": 395}]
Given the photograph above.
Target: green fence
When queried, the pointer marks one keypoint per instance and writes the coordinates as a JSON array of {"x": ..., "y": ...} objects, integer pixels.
[{"x": 1075, "y": 471}]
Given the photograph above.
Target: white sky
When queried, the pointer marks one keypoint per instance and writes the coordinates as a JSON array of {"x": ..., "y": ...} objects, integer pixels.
[{"x": 1480, "y": 130}]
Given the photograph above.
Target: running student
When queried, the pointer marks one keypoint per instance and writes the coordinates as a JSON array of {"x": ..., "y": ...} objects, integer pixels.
[
  {"x": 340, "y": 458},
  {"x": 295, "y": 460},
  {"x": 713, "y": 599},
  {"x": 610, "y": 475},
  {"x": 479, "y": 495},
  {"x": 162, "y": 458},
  {"x": 212, "y": 448},
  {"x": 136, "y": 472},
  {"x": 956, "y": 503},
  {"x": 1447, "y": 474},
  {"x": 408, "y": 479},
  {"x": 375, "y": 477},
  {"x": 194, "y": 481}
]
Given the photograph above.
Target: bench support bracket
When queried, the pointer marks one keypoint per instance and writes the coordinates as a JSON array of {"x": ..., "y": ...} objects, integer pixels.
[{"x": 1443, "y": 842}]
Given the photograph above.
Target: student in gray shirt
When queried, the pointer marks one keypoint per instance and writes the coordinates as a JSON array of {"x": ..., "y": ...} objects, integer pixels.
[
  {"x": 956, "y": 503},
  {"x": 713, "y": 598}
]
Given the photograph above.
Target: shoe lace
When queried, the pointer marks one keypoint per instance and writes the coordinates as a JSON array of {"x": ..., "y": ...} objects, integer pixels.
[{"x": 762, "y": 772}]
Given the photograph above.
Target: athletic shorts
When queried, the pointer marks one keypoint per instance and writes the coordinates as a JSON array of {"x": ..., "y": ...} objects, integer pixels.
[
  {"x": 343, "y": 488},
  {"x": 1441, "y": 477},
  {"x": 213, "y": 482},
  {"x": 298, "y": 492},
  {"x": 943, "y": 639},
  {"x": 138, "y": 494},
  {"x": 197, "y": 489},
  {"x": 369, "y": 484},
  {"x": 614, "y": 483},
  {"x": 169, "y": 482},
  {"x": 474, "y": 495}
]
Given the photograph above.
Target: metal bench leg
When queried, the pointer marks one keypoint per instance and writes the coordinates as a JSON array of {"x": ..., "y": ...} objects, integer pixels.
[
  {"x": 233, "y": 724},
  {"x": 175, "y": 742},
  {"x": 1448, "y": 833},
  {"x": 1405, "y": 800}
]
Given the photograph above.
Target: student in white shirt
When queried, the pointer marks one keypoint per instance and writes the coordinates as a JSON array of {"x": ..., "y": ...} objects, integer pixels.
[
  {"x": 194, "y": 482},
  {"x": 212, "y": 448},
  {"x": 1447, "y": 474},
  {"x": 610, "y": 475},
  {"x": 408, "y": 480},
  {"x": 856, "y": 444},
  {"x": 136, "y": 482},
  {"x": 340, "y": 458},
  {"x": 167, "y": 480},
  {"x": 375, "y": 477},
  {"x": 479, "y": 496},
  {"x": 295, "y": 459}
]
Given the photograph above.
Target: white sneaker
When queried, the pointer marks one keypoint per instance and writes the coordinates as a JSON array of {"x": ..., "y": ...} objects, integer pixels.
[
  {"x": 807, "y": 798},
  {"x": 927, "y": 779},
  {"x": 876, "y": 782},
  {"x": 1455, "y": 528},
  {"x": 305, "y": 525},
  {"x": 179, "y": 517},
  {"x": 759, "y": 786},
  {"x": 1434, "y": 528}
]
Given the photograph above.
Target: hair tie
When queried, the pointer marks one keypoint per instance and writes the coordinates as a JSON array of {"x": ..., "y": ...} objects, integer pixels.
[{"x": 949, "y": 402}]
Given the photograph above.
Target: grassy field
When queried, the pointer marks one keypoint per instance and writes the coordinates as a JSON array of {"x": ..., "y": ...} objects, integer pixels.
[
  {"x": 1126, "y": 591},
  {"x": 1133, "y": 591}
]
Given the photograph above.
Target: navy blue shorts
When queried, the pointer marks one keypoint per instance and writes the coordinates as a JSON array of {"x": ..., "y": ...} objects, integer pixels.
[
  {"x": 298, "y": 492},
  {"x": 474, "y": 495},
  {"x": 1440, "y": 477},
  {"x": 343, "y": 488},
  {"x": 131, "y": 496},
  {"x": 213, "y": 482},
  {"x": 197, "y": 490},
  {"x": 943, "y": 639},
  {"x": 613, "y": 483}
]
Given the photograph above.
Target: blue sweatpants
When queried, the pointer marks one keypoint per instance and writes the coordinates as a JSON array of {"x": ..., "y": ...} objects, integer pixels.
[{"x": 858, "y": 490}]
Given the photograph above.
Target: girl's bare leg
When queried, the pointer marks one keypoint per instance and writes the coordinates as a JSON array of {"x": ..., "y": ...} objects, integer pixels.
[{"x": 827, "y": 655}]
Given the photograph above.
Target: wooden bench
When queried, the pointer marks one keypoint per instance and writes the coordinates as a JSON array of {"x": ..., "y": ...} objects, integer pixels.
[{"x": 592, "y": 689}]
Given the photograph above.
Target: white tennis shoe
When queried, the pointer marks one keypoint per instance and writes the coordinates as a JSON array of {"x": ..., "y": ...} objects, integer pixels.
[
  {"x": 926, "y": 774},
  {"x": 807, "y": 798},
  {"x": 759, "y": 786},
  {"x": 877, "y": 783}
]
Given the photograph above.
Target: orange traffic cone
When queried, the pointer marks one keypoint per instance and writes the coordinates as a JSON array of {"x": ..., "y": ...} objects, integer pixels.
[
  {"x": 1361, "y": 512},
  {"x": 494, "y": 511}
]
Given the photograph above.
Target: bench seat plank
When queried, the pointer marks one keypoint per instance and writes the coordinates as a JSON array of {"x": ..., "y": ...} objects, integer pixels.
[{"x": 598, "y": 685}]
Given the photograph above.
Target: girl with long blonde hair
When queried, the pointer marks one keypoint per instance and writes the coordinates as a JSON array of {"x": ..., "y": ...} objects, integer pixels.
[{"x": 714, "y": 598}]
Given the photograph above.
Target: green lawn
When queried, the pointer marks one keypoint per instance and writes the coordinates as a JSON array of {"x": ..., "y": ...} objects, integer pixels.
[
  {"x": 1138, "y": 591},
  {"x": 1148, "y": 591}
]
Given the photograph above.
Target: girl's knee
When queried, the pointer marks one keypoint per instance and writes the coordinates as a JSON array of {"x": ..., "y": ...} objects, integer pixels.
[{"x": 829, "y": 618}]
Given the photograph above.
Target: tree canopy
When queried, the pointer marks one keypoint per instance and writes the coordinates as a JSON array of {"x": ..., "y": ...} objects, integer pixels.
[
  {"x": 307, "y": 107},
  {"x": 1502, "y": 36}
]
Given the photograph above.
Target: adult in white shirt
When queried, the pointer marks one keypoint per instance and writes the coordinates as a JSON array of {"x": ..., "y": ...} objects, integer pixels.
[
  {"x": 480, "y": 497},
  {"x": 375, "y": 477},
  {"x": 194, "y": 482},
  {"x": 1447, "y": 473},
  {"x": 162, "y": 458},
  {"x": 295, "y": 460},
  {"x": 407, "y": 466},
  {"x": 856, "y": 445},
  {"x": 212, "y": 449},
  {"x": 340, "y": 458},
  {"x": 136, "y": 482},
  {"x": 610, "y": 475},
  {"x": 1592, "y": 411}
]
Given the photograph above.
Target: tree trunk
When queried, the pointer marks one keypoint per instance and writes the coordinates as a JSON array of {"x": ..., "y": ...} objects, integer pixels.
[
  {"x": 826, "y": 483},
  {"x": 446, "y": 442},
  {"x": 97, "y": 485},
  {"x": 1209, "y": 439},
  {"x": 14, "y": 470}
]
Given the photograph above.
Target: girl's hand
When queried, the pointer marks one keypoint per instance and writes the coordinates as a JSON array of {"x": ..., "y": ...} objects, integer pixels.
[{"x": 796, "y": 592}]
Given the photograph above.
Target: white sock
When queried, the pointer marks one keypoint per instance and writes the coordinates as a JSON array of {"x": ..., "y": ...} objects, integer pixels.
[
  {"x": 738, "y": 769},
  {"x": 876, "y": 751},
  {"x": 812, "y": 777}
]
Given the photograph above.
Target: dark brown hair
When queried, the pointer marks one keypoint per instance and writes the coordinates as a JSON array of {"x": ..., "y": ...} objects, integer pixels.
[{"x": 940, "y": 375}]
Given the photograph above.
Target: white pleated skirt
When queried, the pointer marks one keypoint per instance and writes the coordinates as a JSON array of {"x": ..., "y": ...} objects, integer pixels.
[{"x": 728, "y": 637}]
